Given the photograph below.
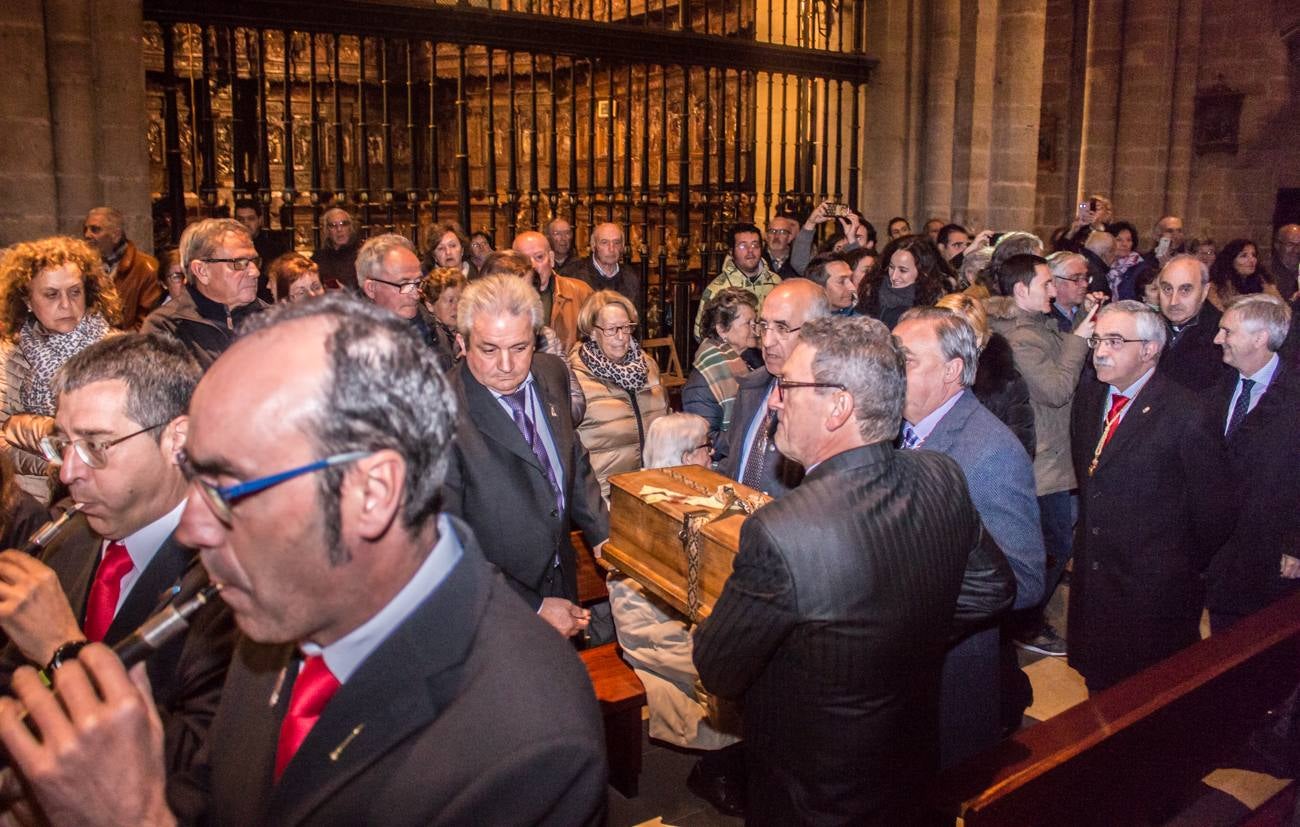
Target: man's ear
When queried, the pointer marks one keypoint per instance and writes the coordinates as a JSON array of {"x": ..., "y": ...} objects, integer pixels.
[
  {"x": 1019, "y": 291},
  {"x": 173, "y": 437},
  {"x": 952, "y": 370},
  {"x": 841, "y": 412},
  {"x": 373, "y": 492},
  {"x": 368, "y": 287},
  {"x": 199, "y": 272}
]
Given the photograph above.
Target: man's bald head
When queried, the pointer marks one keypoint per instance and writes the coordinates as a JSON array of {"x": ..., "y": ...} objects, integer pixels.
[
  {"x": 1286, "y": 245},
  {"x": 790, "y": 304},
  {"x": 538, "y": 250},
  {"x": 607, "y": 244}
]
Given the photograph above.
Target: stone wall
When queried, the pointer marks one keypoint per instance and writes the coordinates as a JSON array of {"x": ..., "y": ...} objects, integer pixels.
[{"x": 73, "y": 117}]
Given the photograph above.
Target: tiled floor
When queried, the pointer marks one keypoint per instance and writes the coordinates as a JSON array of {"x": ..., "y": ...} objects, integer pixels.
[{"x": 1229, "y": 793}]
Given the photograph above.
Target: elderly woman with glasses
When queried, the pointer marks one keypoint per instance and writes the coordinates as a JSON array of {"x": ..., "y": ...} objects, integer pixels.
[
  {"x": 56, "y": 301},
  {"x": 620, "y": 383},
  {"x": 728, "y": 351}
]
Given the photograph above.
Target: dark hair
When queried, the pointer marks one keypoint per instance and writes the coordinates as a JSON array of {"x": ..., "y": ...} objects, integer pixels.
[
  {"x": 1145, "y": 276},
  {"x": 736, "y": 229},
  {"x": 948, "y": 229},
  {"x": 383, "y": 390},
  {"x": 1116, "y": 227},
  {"x": 828, "y": 246},
  {"x": 248, "y": 204},
  {"x": 931, "y": 273},
  {"x": 1019, "y": 269},
  {"x": 816, "y": 271},
  {"x": 167, "y": 256},
  {"x": 871, "y": 228},
  {"x": 159, "y": 373},
  {"x": 852, "y": 257},
  {"x": 723, "y": 309},
  {"x": 1223, "y": 274},
  {"x": 897, "y": 219}
]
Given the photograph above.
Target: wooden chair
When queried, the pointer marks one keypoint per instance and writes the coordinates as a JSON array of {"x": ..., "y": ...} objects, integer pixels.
[
  {"x": 618, "y": 690},
  {"x": 671, "y": 376},
  {"x": 1133, "y": 753}
]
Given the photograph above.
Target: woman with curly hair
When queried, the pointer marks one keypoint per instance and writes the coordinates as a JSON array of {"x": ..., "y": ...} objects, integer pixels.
[
  {"x": 439, "y": 298},
  {"x": 1236, "y": 271},
  {"x": 910, "y": 273},
  {"x": 56, "y": 301}
]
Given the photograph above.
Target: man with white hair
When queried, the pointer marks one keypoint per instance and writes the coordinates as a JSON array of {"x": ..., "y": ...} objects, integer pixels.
[
  {"x": 388, "y": 271},
  {"x": 1070, "y": 278},
  {"x": 1259, "y": 409},
  {"x": 1152, "y": 511}
]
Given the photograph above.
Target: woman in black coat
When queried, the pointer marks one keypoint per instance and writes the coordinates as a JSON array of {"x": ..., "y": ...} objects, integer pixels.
[{"x": 998, "y": 385}]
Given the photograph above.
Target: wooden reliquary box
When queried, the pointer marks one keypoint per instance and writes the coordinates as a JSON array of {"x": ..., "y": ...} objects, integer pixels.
[{"x": 677, "y": 530}]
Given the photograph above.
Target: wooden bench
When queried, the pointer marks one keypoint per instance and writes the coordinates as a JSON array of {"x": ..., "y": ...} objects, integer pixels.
[
  {"x": 1132, "y": 754},
  {"x": 618, "y": 689}
]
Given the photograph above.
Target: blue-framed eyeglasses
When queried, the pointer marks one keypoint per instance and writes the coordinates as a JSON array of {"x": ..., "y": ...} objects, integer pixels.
[{"x": 220, "y": 499}]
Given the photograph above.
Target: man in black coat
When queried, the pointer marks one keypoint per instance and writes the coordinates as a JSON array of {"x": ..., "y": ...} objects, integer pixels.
[
  {"x": 1191, "y": 357},
  {"x": 1259, "y": 409},
  {"x": 1152, "y": 510},
  {"x": 389, "y": 676},
  {"x": 118, "y": 562},
  {"x": 605, "y": 269},
  {"x": 522, "y": 497},
  {"x": 832, "y": 628},
  {"x": 786, "y": 309}
]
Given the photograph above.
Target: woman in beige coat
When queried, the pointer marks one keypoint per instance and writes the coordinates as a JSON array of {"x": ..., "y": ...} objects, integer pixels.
[{"x": 620, "y": 383}]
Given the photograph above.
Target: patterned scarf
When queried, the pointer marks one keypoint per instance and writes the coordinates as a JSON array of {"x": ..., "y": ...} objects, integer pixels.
[
  {"x": 629, "y": 373},
  {"x": 721, "y": 367},
  {"x": 1117, "y": 271},
  {"x": 46, "y": 352}
]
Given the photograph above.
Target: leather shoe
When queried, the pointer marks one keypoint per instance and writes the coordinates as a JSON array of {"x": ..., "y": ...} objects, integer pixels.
[{"x": 724, "y": 792}]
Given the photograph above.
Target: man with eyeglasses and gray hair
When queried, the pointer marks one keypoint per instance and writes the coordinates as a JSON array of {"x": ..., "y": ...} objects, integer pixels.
[
  {"x": 832, "y": 628},
  {"x": 119, "y": 424},
  {"x": 388, "y": 271},
  {"x": 378, "y": 643},
  {"x": 1150, "y": 460},
  {"x": 221, "y": 267}
]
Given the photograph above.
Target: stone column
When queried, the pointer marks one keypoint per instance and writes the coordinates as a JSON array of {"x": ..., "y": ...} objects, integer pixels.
[
  {"x": 73, "y": 91},
  {"x": 1101, "y": 98},
  {"x": 944, "y": 47},
  {"x": 28, "y": 197},
  {"x": 890, "y": 141},
  {"x": 1179, "y": 182},
  {"x": 974, "y": 112},
  {"x": 1017, "y": 104}
]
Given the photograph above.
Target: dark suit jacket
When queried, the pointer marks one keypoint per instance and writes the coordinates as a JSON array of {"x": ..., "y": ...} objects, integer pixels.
[
  {"x": 1265, "y": 455},
  {"x": 187, "y": 673},
  {"x": 496, "y": 484},
  {"x": 1150, "y": 518},
  {"x": 627, "y": 282},
  {"x": 832, "y": 630},
  {"x": 473, "y": 711},
  {"x": 1194, "y": 360},
  {"x": 781, "y": 473}
]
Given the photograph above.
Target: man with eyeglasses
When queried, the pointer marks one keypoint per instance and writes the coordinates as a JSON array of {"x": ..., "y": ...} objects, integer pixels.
[
  {"x": 1070, "y": 279},
  {"x": 746, "y": 450},
  {"x": 119, "y": 425},
  {"x": 744, "y": 267},
  {"x": 1152, "y": 510},
  {"x": 134, "y": 272},
  {"x": 223, "y": 268},
  {"x": 602, "y": 270},
  {"x": 337, "y": 255},
  {"x": 388, "y": 269},
  {"x": 781, "y": 232},
  {"x": 832, "y": 627},
  {"x": 386, "y": 673}
]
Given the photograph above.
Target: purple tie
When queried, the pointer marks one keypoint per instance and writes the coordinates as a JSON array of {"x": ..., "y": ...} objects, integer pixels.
[{"x": 518, "y": 402}]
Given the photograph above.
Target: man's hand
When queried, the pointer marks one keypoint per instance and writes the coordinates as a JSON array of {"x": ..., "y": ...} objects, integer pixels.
[
  {"x": 980, "y": 241},
  {"x": 850, "y": 224},
  {"x": 34, "y": 611},
  {"x": 599, "y": 549},
  {"x": 567, "y": 618},
  {"x": 100, "y": 762},
  {"x": 1290, "y": 567}
]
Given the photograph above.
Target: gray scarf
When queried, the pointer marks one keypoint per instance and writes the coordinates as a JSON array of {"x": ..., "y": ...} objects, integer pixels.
[{"x": 46, "y": 352}]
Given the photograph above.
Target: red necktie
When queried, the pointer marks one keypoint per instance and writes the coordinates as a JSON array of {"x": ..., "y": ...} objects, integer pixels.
[
  {"x": 311, "y": 691},
  {"x": 105, "y": 591},
  {"x": 1117, "y": 403}
]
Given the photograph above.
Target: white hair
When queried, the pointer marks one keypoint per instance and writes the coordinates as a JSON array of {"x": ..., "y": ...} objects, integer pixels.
[
  {"x": 1261, "y": 311},
  {"x": 672, "y": 436},
  {"x": 1150, "y": 324}
]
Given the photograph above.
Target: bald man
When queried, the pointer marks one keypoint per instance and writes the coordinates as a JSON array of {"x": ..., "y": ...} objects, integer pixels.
[
  {"x": 604, "y": 270},
  {"x": 562, "y": 297},
  {"x": 1286, "y": 261}
]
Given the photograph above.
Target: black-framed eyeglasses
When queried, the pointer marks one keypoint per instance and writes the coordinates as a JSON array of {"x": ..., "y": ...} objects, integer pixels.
[
  {"x": 1111, "y": 342},
  {"x": 92, "y": 452},
  {"x": 781, "y": 329},
  {"x": 616, "y": 330},
  {"x": 220, "y": 499},
  {"x": 1072, "y": 279},
  {"x": 402, "y": 286},
  {"x": 236, "y": 264},
  {"x": 782, "y": 386}
]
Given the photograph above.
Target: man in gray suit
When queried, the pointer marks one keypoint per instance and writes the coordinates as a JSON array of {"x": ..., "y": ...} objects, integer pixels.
[
  {"x": 749, "y": 453},
  {"x": 940, "y": 414}
]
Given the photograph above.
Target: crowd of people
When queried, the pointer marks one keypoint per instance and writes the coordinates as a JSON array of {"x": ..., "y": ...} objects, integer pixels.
[{"x": 379, "y": 453}]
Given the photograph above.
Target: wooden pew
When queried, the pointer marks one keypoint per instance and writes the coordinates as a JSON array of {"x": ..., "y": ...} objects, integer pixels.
[
  {"x": 618, "y": 689},
  {"x": 1132, "y": 754}
]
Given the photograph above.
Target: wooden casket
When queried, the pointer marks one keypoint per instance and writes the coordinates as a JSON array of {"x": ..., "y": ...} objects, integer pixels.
[{"x": 677, "y": 530}]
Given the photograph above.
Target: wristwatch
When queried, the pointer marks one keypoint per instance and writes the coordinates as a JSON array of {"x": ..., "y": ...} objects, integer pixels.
[{"x": 66, "y": 652}]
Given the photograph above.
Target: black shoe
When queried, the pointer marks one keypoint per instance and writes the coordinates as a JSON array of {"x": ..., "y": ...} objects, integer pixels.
[
  {"x": 725, "y": 793},
  {"x": 1045, "y": 642}
]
